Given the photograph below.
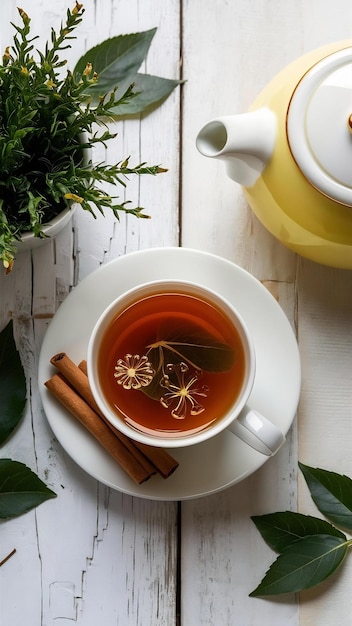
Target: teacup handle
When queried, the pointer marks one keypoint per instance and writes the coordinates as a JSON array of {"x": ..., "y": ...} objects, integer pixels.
[{"x": 256, "y": 430}]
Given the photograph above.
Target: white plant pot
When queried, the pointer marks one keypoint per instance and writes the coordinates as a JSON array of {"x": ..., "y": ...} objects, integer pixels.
[{"x": 51, "y": 229}]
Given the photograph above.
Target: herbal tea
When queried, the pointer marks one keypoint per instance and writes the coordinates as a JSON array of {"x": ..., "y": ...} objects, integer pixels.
[{"x": 171, "y": 364}]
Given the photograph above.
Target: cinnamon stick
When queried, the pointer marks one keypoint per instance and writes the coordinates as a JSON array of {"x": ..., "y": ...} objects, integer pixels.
[
  {"x": 76, "y": 377},
  {"x": 79, "y": 381},
  {"x": 151, "y": 457},
  {"x": 162, "y": 460},
  {"x": 70, "y": 399}
]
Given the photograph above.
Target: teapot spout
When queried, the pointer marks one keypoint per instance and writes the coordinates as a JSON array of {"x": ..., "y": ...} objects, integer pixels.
[{"x": 245, "y": 142}]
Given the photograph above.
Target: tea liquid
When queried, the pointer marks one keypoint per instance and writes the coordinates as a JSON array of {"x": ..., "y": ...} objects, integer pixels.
[{"x": 187, "y": 390}]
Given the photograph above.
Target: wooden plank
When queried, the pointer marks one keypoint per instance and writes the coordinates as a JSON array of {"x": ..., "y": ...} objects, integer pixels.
[
  {"x": 154, "y": 138},
  {"x": 324, "y": 330},
  {"x": 243, "y": 46},
  {"x": 236, "y": 62},
  {"x": 223, "y": 556},
  {"x": 93, "y": 555},
  {"x": 325, "y": 414}
]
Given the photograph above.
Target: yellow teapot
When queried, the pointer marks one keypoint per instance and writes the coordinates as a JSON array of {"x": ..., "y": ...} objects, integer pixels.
[{"x": 293, "y": 154}]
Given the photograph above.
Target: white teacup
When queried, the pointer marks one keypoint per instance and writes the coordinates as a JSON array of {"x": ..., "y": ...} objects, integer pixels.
[{"x": 176, "y": 388}]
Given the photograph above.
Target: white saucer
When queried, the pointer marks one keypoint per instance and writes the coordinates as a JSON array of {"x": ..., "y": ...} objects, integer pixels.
[{"x": 224, "y": 460}]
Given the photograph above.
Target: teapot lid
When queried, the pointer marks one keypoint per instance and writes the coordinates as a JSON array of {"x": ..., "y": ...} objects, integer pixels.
[{"x": 319, "y": 126}]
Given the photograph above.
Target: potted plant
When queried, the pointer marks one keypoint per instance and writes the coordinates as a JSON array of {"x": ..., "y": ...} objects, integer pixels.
[{"x": 48, "y": 121}]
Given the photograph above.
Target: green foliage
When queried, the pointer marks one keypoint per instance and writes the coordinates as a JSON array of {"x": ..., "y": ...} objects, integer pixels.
[
  {"x": 332, "y": 494},
  {"x": 148, "y": 91},
  {"x": 49, "y": 118},
  {"x": 310, "y": 549},
  {"x": 303, "y": 564},
  {"x": 12, "y": 384},
  {"x": 20, "y": 488},
  {"x": 116, "y": 62}
]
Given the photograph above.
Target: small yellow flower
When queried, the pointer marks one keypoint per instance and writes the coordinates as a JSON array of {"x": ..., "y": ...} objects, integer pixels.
[
  {"x": 8, "y": 264},
  {"x": 24, "y": 70},
  {"x": 125, "y": 162},
  {"x": 77, "y": 8},
  {"x": 74, "y": 197},
  {"x": 87, "y": 70},
  {"x": 6, "y": 55},
  {"x": 50, "y": 84},
  {"x": 23, "y": 15}
]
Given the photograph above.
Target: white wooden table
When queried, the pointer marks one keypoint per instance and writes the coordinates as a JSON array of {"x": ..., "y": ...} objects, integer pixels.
[{"x": 94, "y": 555}]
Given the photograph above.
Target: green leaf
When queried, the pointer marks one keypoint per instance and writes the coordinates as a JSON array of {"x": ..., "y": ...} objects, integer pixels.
[
  {"x": 116, "y": 61},
  {"x": 12, "y": 384},
  {"x": 303, "y": 564},
  {"x": 332, "y": 494},
  {"x": 200, "y": 352},
  {"x": 282, "y": 529},
  {"x": 20, "y": 489},
  {"x": 149, "y": 91},
  {"x": 217, "y": 357}
]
